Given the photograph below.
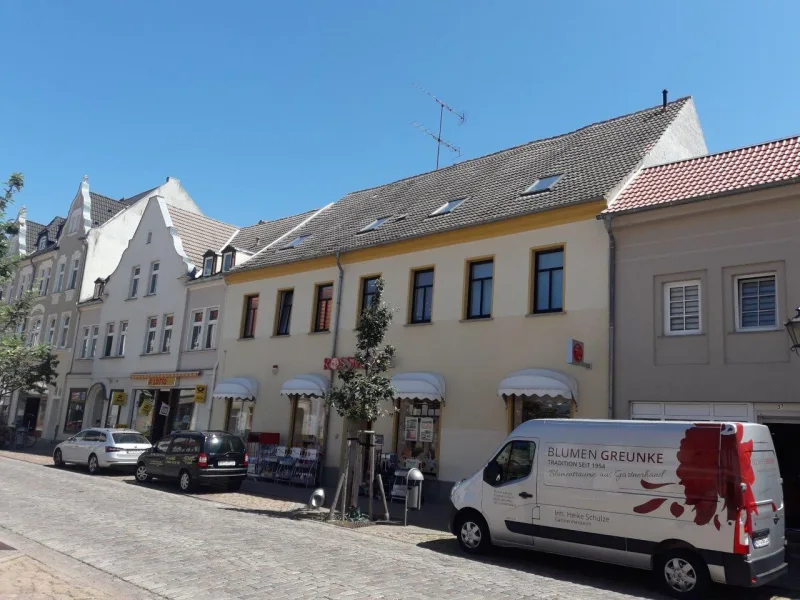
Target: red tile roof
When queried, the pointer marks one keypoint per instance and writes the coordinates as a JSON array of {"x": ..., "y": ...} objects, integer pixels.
[{"x": 735, "y": 170}]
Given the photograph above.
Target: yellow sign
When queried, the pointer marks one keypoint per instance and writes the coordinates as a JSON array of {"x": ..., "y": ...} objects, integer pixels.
[
  {"x": 146, "y": 407},
  {"x": 119, "y": 398},
  {"x": 200, "y": 393},
  {"x": 161, "y": 381}
]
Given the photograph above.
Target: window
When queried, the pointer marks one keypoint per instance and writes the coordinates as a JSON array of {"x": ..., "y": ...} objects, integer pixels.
[
  {"x": 62, "y": 339},
  {"x": 422, "y": 296},
  {"x": 512, "y": 463},
  {"x": 123, "y": 338},
  {"x": 33, "y": 335},
  {"x": 44, "y": 282},
  {"x": 682, "y": 308},
  {"x": 295, "y": 242},
  {"x": 250, "y": 316},
  {"x": 133, "y": 292},
  {"x": 60, "y": 276},
  {"x": 74, "y": 420},
  {"x": 324, "y": 304},
  {"x": 108, "y": 348},
  {"x": 548, "y": 281},
  {"x": 374, "y": 225},
  {"x": 149, "y": 237},
  {"x": 99, "y": 284},
  {"x": 150, "y": 340},
  {"x": 73, "y": 276},
  {"x": 284, "y": 321},
  {"x": 447, "y": 207},
  {"x": 211, "y": 327},
  {"x": 151, "y": 288},
  {"x": 368, "y": 292},
  {"x": 42, "y": 243},
  {"x": 545, "y": 184},
  {"x": 479, "y": 292},
  {"x": 197, "y": 330},
  {"x": 756, "y": 307},
  {"x": 208, "y": 266},
  {"x": 85, "y": 343},
  {"x": 163, "y": 445},
  {"x": 166, "y": 335},
  {"x": 51, "y": 330},
  {"x": 93, "y": 344},
  {"x": 227, "y": 261},
  {"x": 74, "y": 221}
]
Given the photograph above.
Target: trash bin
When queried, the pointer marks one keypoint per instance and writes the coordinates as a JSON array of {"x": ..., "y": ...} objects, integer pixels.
[{"x": 414, "y": 480}]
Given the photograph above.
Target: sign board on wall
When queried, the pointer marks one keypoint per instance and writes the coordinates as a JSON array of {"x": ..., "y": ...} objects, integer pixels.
[
  {"x": 161, "y": 381},
  {"x": 340, "y": 363},
  {"x": 164, "y": 410},
  {"x": 576, "y": 354},
  {"x": 119, "y": 398},
  {"x": 200, "y": 393}
]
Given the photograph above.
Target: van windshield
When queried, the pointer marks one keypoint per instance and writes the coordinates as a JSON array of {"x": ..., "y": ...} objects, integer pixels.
[{"x": 221, "y": 444}]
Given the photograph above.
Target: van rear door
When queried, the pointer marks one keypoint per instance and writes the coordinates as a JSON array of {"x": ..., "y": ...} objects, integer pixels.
[{"x": 768, "y": 524}]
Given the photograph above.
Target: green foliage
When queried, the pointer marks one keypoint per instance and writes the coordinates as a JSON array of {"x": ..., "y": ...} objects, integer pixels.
[{"x": 365, "y": 391}]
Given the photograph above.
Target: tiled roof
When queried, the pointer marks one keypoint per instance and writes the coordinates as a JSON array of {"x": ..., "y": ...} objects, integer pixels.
[
  {"x": 735, "y": 170},
  {"x": 32, "y": 231},
  {"x": 198, "y": 233},
  {"x": 255, "y": 237},
  {"x": 134, "y": 199},
  {"x": 103, "y": 208},
  {"x": 594, "y": 160}
]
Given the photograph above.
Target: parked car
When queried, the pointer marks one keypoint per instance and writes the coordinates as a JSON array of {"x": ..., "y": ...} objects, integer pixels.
[
  {"x": 99, "y": 448},
  {"x": 194, "y": 458},
  {"x": 694, "y": 502}
]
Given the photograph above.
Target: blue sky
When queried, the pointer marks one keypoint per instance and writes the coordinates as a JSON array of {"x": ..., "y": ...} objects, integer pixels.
[{"x": 264, "y": 109}]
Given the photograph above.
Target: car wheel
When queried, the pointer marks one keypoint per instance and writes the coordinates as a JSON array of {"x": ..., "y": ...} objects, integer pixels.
[
  {"x": 94, "y": 466},
  {"x": 58, "y": 458},
  {"x": 234, "y": 485},
  {"x": 186, "y": 482},
  {"x": 142, "y": 476},
  {"x": 473, "y": 533},
  {"x": 682, "y": 574}
]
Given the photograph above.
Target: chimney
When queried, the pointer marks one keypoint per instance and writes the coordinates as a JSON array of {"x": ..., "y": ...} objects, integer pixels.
[{"x": 664, "y": 107}]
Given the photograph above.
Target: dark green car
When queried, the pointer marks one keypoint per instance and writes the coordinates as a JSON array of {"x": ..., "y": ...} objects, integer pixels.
[{"x": 194, "y": 458}]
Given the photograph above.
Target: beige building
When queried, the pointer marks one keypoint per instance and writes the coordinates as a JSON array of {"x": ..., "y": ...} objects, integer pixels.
[
  {"x": 492, "y": 265},
  {"x": 707, "y": 274}
]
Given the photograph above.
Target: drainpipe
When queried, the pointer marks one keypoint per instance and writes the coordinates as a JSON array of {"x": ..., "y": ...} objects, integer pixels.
[
  {"x": 210, "y": 397},
  {"x": 335, "y": 342},
  {"x": 612, "y": 283}
]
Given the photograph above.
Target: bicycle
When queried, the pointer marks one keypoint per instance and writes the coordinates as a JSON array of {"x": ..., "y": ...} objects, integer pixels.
[{"x": 6, "y": 437}]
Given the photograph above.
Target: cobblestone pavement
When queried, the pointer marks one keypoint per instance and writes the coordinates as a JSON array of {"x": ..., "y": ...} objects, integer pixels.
[{"x": 179, "y": 547}]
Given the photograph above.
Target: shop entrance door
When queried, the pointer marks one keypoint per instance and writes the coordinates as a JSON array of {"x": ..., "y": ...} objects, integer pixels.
[
  {"x": 785, "y": 436},
  {"x": 31, "y": 414},
  {"x": 161, "y": 415}
]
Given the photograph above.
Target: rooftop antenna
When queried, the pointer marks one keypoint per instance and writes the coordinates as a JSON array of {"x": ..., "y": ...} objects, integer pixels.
[{"x": 438, "y": 137}]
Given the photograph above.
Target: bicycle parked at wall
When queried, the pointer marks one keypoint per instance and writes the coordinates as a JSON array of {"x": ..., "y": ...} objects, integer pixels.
[{"x": 16, "y": 438}]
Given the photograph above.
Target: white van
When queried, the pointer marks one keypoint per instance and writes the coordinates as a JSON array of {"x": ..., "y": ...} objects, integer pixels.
[{"x": 694, "y": 502}]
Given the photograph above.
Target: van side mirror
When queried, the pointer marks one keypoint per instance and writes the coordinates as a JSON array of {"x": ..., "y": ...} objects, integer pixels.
[{"x": 492, "y": 474}]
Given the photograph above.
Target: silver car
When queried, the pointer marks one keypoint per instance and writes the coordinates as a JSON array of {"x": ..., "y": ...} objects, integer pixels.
[{"x": 99, "y": 448}]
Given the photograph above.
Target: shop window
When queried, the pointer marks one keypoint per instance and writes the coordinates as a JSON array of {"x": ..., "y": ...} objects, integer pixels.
[
  {"x": 112, "y": 416},
  {"x": 422, "y": 296},
  {"x": 250, "y": 316},
  {"x": 548, "y": 281},
  {"x": 75, "y": 409},
  {"x": 479, "y": 291},
  {"x": 756, "y": 308},
  {"x": 308, "y": 420},
  {"x": 323, "y": 307},
  {"x": 143, "y": 411},
  {"x": 513, "y": 462},
  {"x": 182, "y": 418},
  {"x": 240, "y": 417},
  {"x": 368, "y": 292},
  {"x": 284, "y": 319},
  {"x": 418, "y": 435},
  {"x": 536, "y": 407}
]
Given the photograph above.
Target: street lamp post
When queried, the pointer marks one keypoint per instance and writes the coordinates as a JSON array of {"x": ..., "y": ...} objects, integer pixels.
[{"x": 793, "y": 329}]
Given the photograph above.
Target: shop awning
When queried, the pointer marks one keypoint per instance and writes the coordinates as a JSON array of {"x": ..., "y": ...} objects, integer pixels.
[
  {"x": 539, "y": 382},
  {"x": 237, "y": 388},
  {"x": 418, "y": 386},
  {"x": 306, "y": 384}
]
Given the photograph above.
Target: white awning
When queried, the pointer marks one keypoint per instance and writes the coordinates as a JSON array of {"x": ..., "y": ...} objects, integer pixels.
[
  {"x": 237, "y": 388},
  {"x": 306, "y": 384},
  {"x": 418, "y": 386},
  {"x": 539, "y": 382}
]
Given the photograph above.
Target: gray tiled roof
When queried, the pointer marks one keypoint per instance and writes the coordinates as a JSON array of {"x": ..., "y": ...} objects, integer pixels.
[
  {"x": 32, "y": 231},
  {"x": 198, "y": 233},
  {"x": 103, "y": 208},
  {"x": 134, "y": 199},
  {"x": 255, "y": 237},
  {"x": 594, "y": 160}
]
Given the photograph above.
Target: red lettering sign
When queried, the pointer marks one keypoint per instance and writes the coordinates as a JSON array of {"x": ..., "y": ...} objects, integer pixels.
[
  {"x": 340, "y": 363},
  {"x": 577, "y": 352}
]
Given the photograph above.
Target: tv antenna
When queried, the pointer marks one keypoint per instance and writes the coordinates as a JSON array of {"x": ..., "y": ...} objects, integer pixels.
[{"x": 438, "y": 137}]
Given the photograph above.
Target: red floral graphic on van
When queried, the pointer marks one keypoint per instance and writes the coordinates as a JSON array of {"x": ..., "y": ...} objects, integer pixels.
[{"x": 713, "y": 462}]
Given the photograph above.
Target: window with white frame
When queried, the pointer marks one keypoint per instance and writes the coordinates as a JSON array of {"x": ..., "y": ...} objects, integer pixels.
[
  {"x": 123, "y": 338},
  {"x": 60, "y": 276},
  {"x": 227, "y": 262},
  {"x": 208, "y": 266},
  {"x": 682, "y": 315},
  {"x": 153, "y": 282},
  {"x": 63, "y": 337},
  {"x": 73, "y": 276},
  {"x": 51, "y": 330},
  {"x": 196, "y": 332},
  {"x": 211, "y": 328},
  {"x": 133, "y": 291},
  {"x": 166, "y": 334},
  {"x": 93, "y": 343},
  {"x": 152, "y": 332},
  {"x": 42, "y": 243},
  {"x": 756, "y": 302},
  {"x": 44, "y": 282},
  {"x": 85, "y": 342},
  {"x": 108, "y": 347},
  {"x": 33, "y": 334}
]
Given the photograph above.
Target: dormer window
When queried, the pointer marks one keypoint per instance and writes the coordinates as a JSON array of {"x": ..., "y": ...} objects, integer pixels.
[
  {"x": 228, "y": 260},
  {"x": 42, "y": 244},
  {"x": 99, "y": 285},
  {"x": 208, "y": 266}
]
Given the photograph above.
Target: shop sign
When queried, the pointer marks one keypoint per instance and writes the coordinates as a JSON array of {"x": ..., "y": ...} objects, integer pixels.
[
  {"x": 146, "y": 407},
  {"x": 164, "y": 410},
  {"x": 342, "y": 363},
  {"x": 412, "y": 429},
  {"x": 200, "y": 393},
  {"x": 576, "y": 354},
  {"x": 119, "y": 398},
  {"x": 426, "y": 429},
  {"x": 161, "y": 381}
]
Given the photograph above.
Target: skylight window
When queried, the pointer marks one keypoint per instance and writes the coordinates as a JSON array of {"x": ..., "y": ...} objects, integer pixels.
[
  {"x": 374, "y": 225},
  {"x": 447, "y": 207},
  {"x": 295, "y": 242},
  {"x": 545, "y": 184}
]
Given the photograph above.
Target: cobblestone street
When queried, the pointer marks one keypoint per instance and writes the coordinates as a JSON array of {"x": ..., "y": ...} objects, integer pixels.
[{"x": 174, "y": 546}]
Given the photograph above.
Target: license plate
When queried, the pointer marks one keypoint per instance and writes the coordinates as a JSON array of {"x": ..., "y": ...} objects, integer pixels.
[
  {"x": 761, "y": 542},
  {"x": 226, "y": 463}
]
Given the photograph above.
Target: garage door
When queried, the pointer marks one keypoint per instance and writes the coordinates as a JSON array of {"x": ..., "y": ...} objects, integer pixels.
[{"x": 692, "y": 411}]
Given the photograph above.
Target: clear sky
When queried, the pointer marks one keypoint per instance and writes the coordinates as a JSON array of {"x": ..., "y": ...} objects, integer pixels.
[{"x": 264, "y": 109}]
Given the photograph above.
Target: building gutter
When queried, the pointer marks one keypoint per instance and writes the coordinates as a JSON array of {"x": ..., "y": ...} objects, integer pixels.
[
  {"x": 335, "y": 342},
  {"x": 612, "y": 293}
]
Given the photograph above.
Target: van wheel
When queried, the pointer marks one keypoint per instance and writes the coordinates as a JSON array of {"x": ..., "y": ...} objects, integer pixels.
[
  {"x": 186, "y": 482},
  {"x": 682, "y": 574},
  {"x": 142, "y": 476},
  {"x": 473, "y": 533}
]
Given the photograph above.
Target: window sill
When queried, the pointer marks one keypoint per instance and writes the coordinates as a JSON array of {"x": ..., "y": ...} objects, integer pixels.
[
  {"x": 247, "y": 339},
  {"x": 195, "y": 350},
  {"x": 758, "y": 330},
  {"x": 280, "y": 335},
  {"x": 668, "y": 336},
  {"x": 112, "y": 357},
  {"x": 546, "y": 314},
  {"x": 420, "y": 324},
  {"x": 154, "y": 353},
  {"x": 477, "y": 320},
  {"x": 319, "y": 332},
  {"x": 84, "y": 359}
]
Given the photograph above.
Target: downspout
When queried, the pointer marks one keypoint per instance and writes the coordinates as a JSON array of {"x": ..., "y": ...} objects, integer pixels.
[
  {"x": 334, "y": 344},
  {"x": 612, "y": 294}
]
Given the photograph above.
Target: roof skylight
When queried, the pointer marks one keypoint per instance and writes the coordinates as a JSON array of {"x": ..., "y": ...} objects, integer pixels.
[
  {"x": 545, "y": 184},
  {"x": 447, "y": 207},
  {"x": 295, "y": 242},
  {"x": 374, "y": 225}
]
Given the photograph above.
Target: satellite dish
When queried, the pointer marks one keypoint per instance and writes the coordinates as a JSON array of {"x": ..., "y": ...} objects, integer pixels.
[{"x": 317, "y": 498}]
